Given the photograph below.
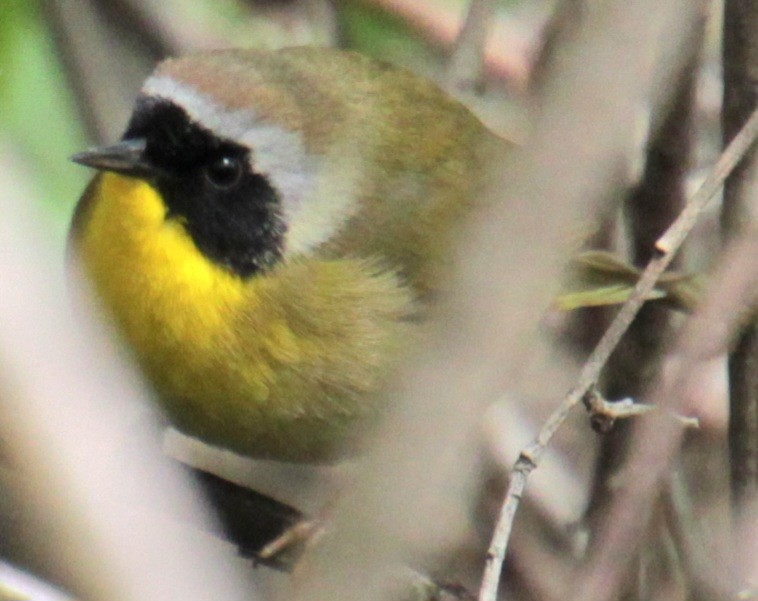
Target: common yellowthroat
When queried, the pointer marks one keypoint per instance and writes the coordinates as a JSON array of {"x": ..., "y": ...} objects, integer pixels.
[{"x": 267, "y": 231}]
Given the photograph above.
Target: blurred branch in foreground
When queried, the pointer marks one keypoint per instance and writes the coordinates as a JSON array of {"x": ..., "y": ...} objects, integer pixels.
[
  {"x": 18, "y": 585},
  {"x": 98, "y": 496}
]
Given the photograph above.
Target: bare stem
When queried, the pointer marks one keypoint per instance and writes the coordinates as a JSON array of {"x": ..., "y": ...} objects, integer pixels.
[{"x": 604, "y": 412}]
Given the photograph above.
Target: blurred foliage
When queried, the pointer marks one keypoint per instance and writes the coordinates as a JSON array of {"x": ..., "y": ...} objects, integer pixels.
[
  {"x": 37, "y": 113},
  {"x": 379, "y": 34},
  {"x": 600, "y": 278}
]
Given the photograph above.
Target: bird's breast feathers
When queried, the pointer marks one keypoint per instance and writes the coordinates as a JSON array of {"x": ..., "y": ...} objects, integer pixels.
[{"x": 244, "y": 362}]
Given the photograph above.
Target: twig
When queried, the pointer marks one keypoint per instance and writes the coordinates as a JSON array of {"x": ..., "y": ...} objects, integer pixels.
[
  {"x": 290, "y": 541},
  {"x": 466, "y": 65},
  {"x": 604, "y": 412},
  {"x": 667, "y": 246}
]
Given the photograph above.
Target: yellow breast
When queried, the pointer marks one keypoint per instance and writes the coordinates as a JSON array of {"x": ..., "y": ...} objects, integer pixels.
[
  {"x": 276, "y": 365},
  {"x": 159, "y": 288},
  {"x": 177, "y": 310}
]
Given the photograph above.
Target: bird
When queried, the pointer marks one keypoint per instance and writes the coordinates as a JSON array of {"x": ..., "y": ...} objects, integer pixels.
[{"x": 268, "y": 235}]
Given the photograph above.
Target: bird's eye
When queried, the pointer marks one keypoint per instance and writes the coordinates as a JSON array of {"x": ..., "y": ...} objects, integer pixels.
[{"x": 224, "y": 172}]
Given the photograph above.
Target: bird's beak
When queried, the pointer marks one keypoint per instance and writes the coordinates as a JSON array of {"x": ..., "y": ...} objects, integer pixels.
[{"x": 126, "y": 157}]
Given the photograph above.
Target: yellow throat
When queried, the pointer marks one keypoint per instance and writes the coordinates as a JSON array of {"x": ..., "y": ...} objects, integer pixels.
[{"x": 245, "y": 363}]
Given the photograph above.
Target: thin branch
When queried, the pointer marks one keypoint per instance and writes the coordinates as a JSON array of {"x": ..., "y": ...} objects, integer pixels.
[
  {"x": 604, "y": 412},
  {"x": 466, "y": 66},
  {"x": 667, "y": 246}
]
